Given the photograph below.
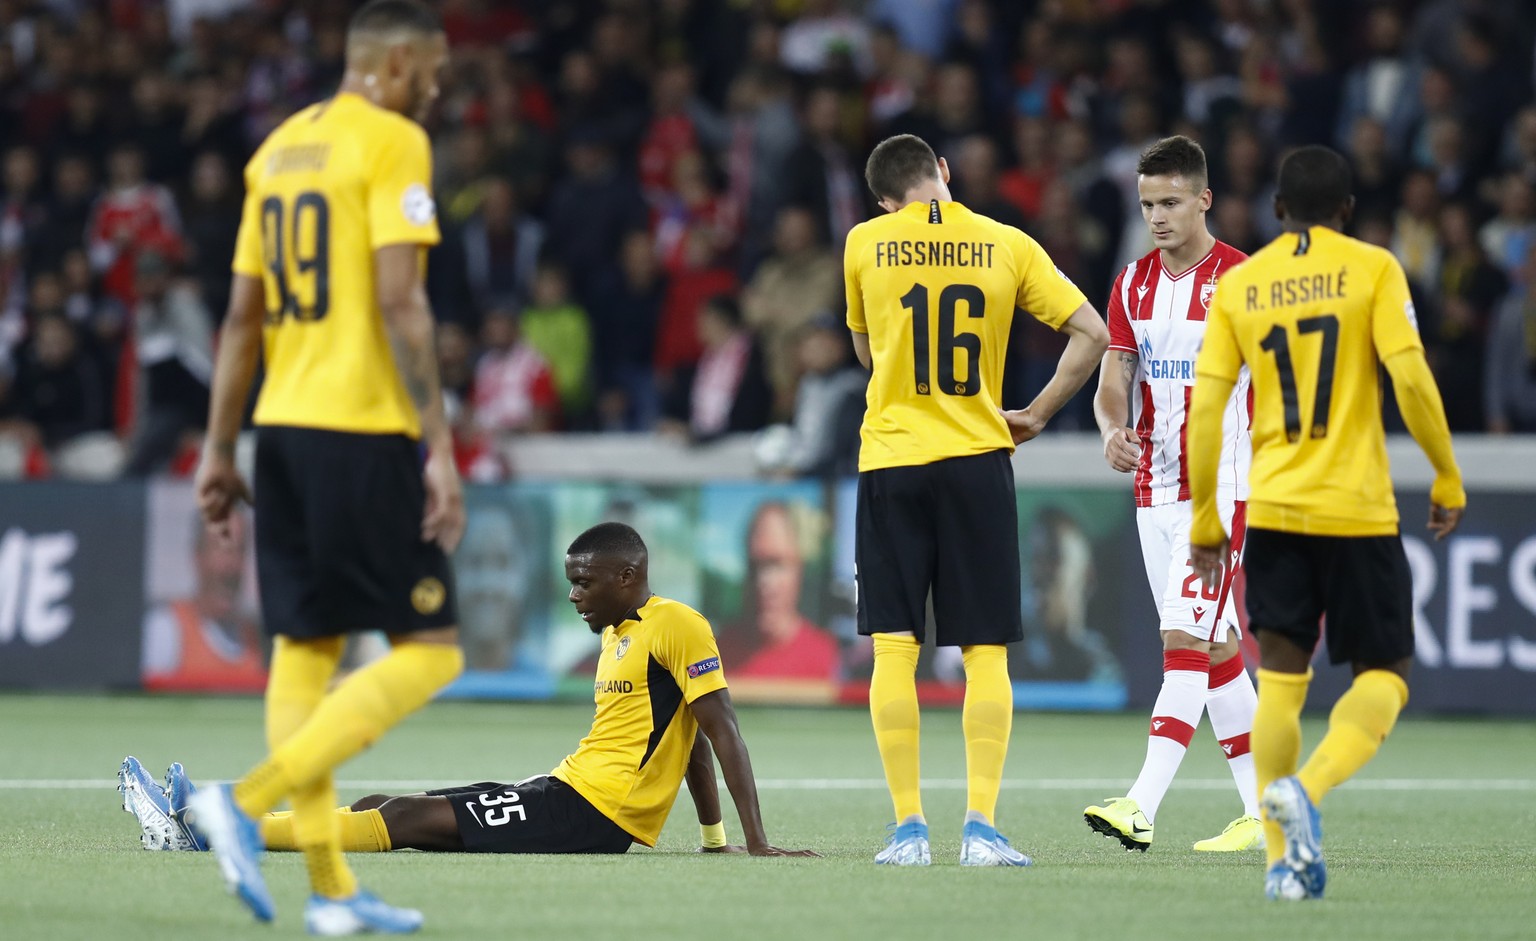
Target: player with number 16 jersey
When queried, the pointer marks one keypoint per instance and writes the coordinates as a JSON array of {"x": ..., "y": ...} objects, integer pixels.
[{"x": 932, "y": 288}]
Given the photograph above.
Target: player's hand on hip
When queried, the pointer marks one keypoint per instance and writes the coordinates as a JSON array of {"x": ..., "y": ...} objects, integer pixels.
[
  {"x": 1022, "y": 424},
  {"x": 766, "y": 850},
  {"x": 1207, "y": 562},
  {"x": 443, "y": 521},
  {"x": 1443, "y": 520},
  {"x": 219, "y": 487},
  {"x": 1122, "y": 449}
]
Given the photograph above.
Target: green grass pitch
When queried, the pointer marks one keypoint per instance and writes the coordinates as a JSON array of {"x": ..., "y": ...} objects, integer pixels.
[{"x": 1433, "y": 841}]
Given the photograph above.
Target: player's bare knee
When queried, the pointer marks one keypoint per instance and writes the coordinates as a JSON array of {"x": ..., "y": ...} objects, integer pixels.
[
  {"x": 1400, "y": 667},
  {"x": 1226, "y": 650},
  {"x": 1179, "y": 639},
  {"x": 371, "y": 802},
  {"x": 421, "y": 822}
]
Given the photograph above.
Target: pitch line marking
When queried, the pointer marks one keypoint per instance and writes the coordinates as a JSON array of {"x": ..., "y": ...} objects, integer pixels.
[{"x": 872, "y": 784}]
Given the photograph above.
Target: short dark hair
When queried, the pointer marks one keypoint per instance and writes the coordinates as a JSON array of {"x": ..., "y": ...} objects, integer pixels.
[
  {"x": 1175, "y": 156},
  {"x": 1314, "y": 184},
  {"x": 610, "y": 539},
  {"x": 725, "y": 307},
  {"x": 898, "y": 164},
  {"x": 382, "y": 16}
]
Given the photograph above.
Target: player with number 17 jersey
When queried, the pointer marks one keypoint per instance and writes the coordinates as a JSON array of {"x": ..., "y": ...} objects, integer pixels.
[{"x": 332, "y": 184}]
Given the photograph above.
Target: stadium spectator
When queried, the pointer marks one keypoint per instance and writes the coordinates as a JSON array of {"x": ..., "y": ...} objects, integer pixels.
[
  {"x": 1380, "y": 87},
  {"x": 22, "y": 215},
  {"x": 211, "y": 218},
  {"x": 1511, "y": 232},
  {"x": 1415, "y": 239},
  {"x": 763, "y": 132},
  {"x": 1080, "y": 168},
  {"x": 822, "y": 36},
  {"x": 72, "y": 196},
  {"x": 1211, "y": 96},
  {"x": 921, "y": 25},
  {"x": 977, "y": 181},
  {"x": 514, "y": 389},
  {"x": 1510, "y": 390},
  {"x": 728, "y": 390},
  {"x": 890, "y": 90},
  {"x": 674, "y": 130},
  {"x": 1033, "y": 167},
  {"x": 691, "y": 206},
  {"x": 56, "y": 395},
  {"x": 501, "y": 246},
  {"x": 132, "y": 215},
  {"x": 557, "y": 327},
  {"x": 101, "y": 319},
  {"x": 700, "y": 276},
  {"x": 1520, "y": 146},
  {"x": 822, "y": 439},
  {"x": 1470, "y": 289},
  {"x": 591, "y": 210},
  {"x": 83, "y": 128},
  {"x": 822, "y": 172},
  {"x": 456, "y": 372},
  {"x": 174, "y": 334},
  {"x": 798, "y": 281},
  {"x": 624, "y": 330},
  {"x": 1378, "y": 178},
  {"x": 154, "y": 126}
]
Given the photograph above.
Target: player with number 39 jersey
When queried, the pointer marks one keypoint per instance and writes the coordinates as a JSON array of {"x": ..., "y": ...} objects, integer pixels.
[{"x": 334, "y": 183}]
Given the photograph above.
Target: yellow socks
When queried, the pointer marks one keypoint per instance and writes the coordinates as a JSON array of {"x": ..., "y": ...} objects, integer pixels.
[
  {"x": 1359, "y": 723},
  {"x": 988, "y": 721},
  {"x": 893, "y": 709},
  {"x": 301, "y": 671},
  {"x": 350, "y": 719},
  {"x": 317, "y": 832},
  {"x": 361, "y": 832},
  {"x": 1276, "y": 739}
]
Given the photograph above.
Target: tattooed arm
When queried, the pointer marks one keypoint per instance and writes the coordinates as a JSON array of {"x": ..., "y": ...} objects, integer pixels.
[
  {"x": 409, "y": 325},
  {"x": 1112, "y": 409}
]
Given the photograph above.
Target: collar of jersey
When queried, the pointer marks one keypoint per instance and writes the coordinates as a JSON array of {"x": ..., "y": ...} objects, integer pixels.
[
  {"x": 919, "y": 210},
  {"x": 634, "y": 613}
]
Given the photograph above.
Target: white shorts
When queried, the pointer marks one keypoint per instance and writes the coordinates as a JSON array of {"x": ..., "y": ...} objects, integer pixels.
[{"x": 1182, "y": 602}]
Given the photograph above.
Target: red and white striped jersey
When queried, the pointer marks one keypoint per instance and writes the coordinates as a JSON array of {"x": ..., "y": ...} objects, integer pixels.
[{"x": 1161, "y": 318}]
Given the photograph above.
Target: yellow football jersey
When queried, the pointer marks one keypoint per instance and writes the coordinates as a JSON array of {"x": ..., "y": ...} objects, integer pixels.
[
  {"x": 329, "y": 186},
  {"x": 633, "y": 761},
  {"x": 1313, "y": 315},
  {"x": 935, "y": 287}
]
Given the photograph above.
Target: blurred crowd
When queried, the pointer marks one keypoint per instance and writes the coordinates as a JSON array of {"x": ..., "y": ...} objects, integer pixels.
[{"x": 644, "y": 202}]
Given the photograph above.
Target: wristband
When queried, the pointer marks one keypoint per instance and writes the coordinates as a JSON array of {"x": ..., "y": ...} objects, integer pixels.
[{"x": 712, "y": 835}]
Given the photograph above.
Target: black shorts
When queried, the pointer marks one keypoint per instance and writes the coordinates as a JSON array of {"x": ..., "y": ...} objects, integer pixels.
[
  {"x": 539, "y": 815},
  {"x": 338, "y": 536},
  {"x": 951, "y": 527},
  {"x": 1362, "y": 583}
]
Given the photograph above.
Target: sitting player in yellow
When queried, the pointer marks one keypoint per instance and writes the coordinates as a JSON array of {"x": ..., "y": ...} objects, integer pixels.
[{"x": 661, "y": 703}]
